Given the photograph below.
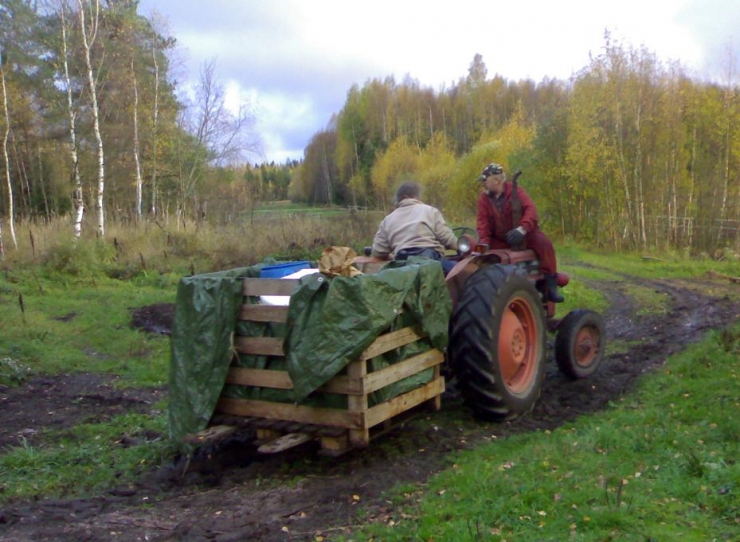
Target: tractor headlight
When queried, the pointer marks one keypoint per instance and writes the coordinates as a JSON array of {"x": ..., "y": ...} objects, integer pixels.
[{"x": 463, "y": 244}]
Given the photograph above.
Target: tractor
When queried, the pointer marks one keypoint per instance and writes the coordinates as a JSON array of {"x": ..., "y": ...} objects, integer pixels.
[{"x": 498, "y": 330}]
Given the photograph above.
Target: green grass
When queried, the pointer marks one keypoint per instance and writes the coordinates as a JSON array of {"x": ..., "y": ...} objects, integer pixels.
[
  {"x": 669, "y": 265},
  {"x": 55, "y": 323},
  {"x": 64, "y": 324},
  {"x": 661, "y": 465},
  {"x": 287, "y": 207},
  {"x": 85, "y": 459},
  {"x": 648, "y": 300}
]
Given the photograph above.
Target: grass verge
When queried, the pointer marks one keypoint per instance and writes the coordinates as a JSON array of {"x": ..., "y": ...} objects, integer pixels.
[{"x": 661, "y": 464}]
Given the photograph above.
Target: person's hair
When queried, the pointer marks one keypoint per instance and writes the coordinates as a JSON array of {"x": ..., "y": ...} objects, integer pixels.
[{"x": 408, "y": 189}]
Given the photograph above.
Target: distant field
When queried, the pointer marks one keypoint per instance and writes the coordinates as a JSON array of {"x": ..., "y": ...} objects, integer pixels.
[{"x": 287, "y": 207}]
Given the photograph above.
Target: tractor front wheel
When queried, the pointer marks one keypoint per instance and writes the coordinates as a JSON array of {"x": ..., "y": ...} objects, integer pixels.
[
  {"x": 579, "y": 343},
  {"x": 497, "y": 343}
]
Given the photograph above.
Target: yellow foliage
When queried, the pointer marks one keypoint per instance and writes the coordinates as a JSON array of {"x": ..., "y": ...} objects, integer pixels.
[
  {"x": 399, "y": 163},
  {"x": 436, "y": 169},
  {"x": 515, "y": 136}
]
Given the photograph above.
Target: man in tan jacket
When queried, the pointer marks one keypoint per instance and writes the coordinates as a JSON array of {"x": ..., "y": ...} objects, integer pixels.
[{"x": 414, "y": 228}]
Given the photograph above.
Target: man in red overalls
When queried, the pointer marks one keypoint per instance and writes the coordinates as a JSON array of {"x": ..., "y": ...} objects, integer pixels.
[{"x": 496, "y": 228}]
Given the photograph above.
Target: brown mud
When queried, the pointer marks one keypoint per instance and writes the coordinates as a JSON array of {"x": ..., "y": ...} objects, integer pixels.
[{"x": 228, "y": 492}]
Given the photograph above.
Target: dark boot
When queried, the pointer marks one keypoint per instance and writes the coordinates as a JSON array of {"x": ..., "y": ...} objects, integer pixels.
[{"x": 553, "y": 295}]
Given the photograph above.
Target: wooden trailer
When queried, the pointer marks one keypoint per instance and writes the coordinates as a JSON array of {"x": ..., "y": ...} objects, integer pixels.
[{"x": 281, "y": 425}]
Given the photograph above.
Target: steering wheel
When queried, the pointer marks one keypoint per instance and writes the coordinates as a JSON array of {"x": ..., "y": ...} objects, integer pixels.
[{"x": 462, "y": 230}]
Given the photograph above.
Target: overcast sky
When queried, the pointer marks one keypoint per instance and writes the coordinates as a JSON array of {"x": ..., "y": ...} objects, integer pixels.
[{"x": 296, "y": 59}]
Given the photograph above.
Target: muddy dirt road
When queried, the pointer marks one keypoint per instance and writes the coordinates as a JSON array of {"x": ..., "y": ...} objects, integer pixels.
[{"x": 229, "y": 493}]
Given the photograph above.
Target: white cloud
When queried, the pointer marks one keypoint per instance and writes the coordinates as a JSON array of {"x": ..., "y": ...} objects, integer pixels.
[{"x": 298, "y": 59}]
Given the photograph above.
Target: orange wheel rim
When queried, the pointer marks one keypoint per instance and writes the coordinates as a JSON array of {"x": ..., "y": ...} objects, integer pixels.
[
  {"x": 518, "y": 345},
  {"x": 586, "y": 346}
]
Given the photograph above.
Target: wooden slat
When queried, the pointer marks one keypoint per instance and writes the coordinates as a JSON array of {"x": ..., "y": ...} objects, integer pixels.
[
  {"x": 265, "y": 378},
  {"x": 269, "y": 378},
  {"x": 334, "y": 446},
  {"x": 273, "y": 346},
  {"x": 357, "y": 370},
  {"x": 398, "y": 371},
  {"x": 383, "y": 411},
  {"x": 285, "y": 442},
  {"x": 285, "y": 411},
  {"x": 255, "y": 287},
  {"x": 210, "y": 434},
  {"x": 346, "y": 385},
  {"x": 435, "y": 403},
  {"x": 390, "y": 341},
  {"x": 261, "y": 346},
  {"x": 263, "y": 313}
]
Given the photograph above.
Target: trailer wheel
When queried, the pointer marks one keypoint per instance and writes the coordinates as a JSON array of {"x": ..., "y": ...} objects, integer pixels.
[
  {"x": 579, "y": 343},
  {"x": 497, "y": 343}
]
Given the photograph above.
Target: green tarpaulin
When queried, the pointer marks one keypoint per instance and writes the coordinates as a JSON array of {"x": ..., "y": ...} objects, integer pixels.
[{"x": 330, "y": 322}]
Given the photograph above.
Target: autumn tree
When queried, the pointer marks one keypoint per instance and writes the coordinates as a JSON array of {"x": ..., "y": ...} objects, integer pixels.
[
  {"x": 397, "y": 164},
  {"x": 213, "y": 135},
  {"x": 319, "y": 172},
  {"x": 436, "y": 168}
]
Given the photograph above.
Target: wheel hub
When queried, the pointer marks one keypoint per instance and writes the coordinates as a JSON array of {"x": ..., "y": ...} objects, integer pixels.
[
  {"x": 586, "y": 346},
  {"x": 518, "y": 345},
  {"x": 514, "y": 349}
]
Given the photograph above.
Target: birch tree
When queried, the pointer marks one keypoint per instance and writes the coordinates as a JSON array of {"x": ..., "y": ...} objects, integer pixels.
[
  {"x": 77, "y": 196},
  {"x": 728, "y": 129},
  {"x": 89, "y": 33},
  {"x": 6, "y": 159},
  {"x": 155, "y": 126},
  {"x": 137, "y": 161}
]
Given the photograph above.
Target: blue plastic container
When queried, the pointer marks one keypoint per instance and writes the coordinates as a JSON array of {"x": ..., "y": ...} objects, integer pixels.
[{"x": 283, "y": 269}]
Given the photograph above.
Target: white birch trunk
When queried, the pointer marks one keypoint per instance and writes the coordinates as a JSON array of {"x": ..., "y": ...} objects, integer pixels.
[
  {"x": 87, "y": 43},
  {"x": 155, "y": 114},
  {"x": 6, "y": 135},
  {"x": 78, "y": 200},
  {"x": 639, "y": 187},
  {"x": 728, "y": 101},
  {"x": 136, "y": 143},
  {"x": 726, "y": 166},
  {"x": 327, "y": 174}
]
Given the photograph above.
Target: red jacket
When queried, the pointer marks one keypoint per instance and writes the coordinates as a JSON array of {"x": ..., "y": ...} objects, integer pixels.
[{"x": 492, "y": 224}]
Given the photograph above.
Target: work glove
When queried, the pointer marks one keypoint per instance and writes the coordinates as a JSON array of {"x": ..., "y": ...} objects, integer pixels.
[{"x": 516, "y": 236}]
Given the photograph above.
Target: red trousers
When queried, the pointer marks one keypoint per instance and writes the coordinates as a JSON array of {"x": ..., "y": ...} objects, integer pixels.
[{"x": 542, "y": 246}]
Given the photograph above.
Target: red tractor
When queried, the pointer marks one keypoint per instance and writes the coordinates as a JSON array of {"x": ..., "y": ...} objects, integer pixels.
[{"x": 498, "y": 331}]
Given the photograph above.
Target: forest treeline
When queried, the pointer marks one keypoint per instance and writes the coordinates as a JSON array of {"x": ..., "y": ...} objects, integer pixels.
[{"x": 95, "y": 124}]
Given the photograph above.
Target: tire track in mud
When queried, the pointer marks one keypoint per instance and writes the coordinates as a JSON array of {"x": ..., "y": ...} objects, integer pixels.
[
  {"x": 228, "y": 494},
  {"x": 646, "y": 340}
]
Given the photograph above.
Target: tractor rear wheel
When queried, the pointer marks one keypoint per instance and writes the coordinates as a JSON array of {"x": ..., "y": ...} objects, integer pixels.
[
  {"x": 579, "y": 343},
  {"x": 497, "y": 343}
]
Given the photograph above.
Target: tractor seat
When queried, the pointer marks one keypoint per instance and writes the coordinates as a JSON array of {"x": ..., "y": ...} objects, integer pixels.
[
  {"x": 509, "y": 256},
  {"x": 527, "y": 256}
]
